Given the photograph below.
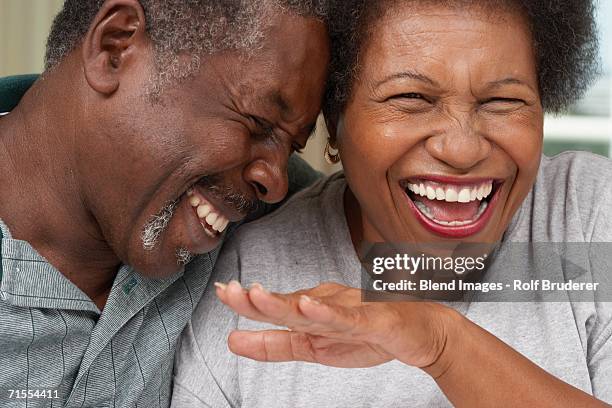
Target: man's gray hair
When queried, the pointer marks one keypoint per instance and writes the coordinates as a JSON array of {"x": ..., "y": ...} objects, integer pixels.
[{"x": 192, "y": 28}]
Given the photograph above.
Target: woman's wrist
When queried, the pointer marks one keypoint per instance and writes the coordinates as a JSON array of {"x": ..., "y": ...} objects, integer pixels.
[{"x": 451, "y": 326}]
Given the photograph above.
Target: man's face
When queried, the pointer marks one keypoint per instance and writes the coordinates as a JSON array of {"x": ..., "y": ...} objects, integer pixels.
[{"x": 165, "y": 178}]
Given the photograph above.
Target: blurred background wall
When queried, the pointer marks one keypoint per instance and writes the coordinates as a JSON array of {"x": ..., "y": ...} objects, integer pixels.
[{"x": 24, "y": 25}]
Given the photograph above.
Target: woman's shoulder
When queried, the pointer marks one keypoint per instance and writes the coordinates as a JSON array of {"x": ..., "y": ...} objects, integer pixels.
[
  {"x": 288, "y": 249},
  {"x": 572, "y": 198},
  {"x": 302, "y": 213},
  {"x": 589, "y": 168},
  {"x": 294, "y": 235}
]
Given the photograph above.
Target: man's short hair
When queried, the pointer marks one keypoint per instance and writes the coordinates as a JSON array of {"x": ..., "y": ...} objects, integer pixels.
[{"x": 182, "y": 27}]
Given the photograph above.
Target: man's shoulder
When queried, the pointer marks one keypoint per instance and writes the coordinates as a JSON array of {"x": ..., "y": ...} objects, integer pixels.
[{"x": 13, "y": 88}]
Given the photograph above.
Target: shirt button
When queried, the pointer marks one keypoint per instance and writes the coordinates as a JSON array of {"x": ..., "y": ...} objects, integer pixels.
[{"x": 129, "y": 285}]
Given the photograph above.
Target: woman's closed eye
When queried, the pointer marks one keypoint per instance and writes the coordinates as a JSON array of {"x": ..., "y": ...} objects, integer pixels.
[{"x": 502, "y": 104}]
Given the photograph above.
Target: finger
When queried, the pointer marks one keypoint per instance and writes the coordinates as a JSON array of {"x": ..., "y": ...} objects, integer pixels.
[
  {"x": 347, "y": 323},
  {"x": 283, "y": 346},
  {"x": 324, "y": 290},
  {"x": 271, "y": 345},
  {"x": 330, "y": 316},
  {"x": 289, "y": 310},
  {"x": 282, "y": 310},
  {"x": 236, "y": 298}
]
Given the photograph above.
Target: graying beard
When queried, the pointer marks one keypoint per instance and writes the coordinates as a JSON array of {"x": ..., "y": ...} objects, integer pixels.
[
  {"x": 157, "y": 224},
  {"x": 183, "y": 256}
]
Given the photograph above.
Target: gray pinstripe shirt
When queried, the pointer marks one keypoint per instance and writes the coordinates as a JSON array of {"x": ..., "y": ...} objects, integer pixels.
[{"x": 54, "y": 338}]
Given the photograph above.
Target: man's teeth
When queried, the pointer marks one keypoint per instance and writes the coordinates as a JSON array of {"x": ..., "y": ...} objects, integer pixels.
[
  {"x": 453, "y": 194},
  {"x": 207, "y": 213},
  {"x": 423, "y": 208}
]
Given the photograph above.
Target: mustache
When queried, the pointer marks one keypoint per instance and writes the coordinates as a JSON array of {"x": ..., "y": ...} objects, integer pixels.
[
  {"x": 229, "y": 195},
  {"x": 214, "y": 185}
]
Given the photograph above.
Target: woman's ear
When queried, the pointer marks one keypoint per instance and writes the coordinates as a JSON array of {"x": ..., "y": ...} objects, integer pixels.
[
  {"x": 113, "y": 41},
  {"x": 331, "y": 121}
]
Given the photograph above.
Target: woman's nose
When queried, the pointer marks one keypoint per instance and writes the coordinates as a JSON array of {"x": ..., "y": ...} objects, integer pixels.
[
  {"x": 267, "y": 174},
  {"x": 459, "y": 145}
]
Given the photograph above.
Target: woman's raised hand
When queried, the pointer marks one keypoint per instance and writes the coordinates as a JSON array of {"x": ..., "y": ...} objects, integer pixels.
[{"x": 331, "y": 325}]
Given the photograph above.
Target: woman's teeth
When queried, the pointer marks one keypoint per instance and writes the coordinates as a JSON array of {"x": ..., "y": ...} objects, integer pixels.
[
  {"x": 452, "y": 194},
  {"x": 208, "y": 214},
  {"x": 423, "y": 208},
  {"x": 466, "y": 194}
]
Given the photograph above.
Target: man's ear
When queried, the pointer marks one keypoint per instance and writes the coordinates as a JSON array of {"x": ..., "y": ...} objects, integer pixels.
[{"x": 112, "y": 42}]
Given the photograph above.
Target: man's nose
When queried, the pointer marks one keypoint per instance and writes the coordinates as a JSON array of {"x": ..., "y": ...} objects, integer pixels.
[
  {"x": 460, "y": 144},
  {"x": 267, "y": 173}
]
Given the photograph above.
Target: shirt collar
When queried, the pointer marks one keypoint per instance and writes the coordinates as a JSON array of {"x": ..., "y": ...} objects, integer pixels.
[
  {"x": 29, "y": 280},
  {"x": 4, "y": 231}
]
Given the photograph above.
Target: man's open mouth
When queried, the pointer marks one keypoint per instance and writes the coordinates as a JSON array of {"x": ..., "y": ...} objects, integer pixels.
[
  {"x": 453, "y": 209},
  {"x": 213, "y": 222}
]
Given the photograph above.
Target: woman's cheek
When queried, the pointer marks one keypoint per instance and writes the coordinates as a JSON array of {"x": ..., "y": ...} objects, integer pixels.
[{"x": 520, "y": 136}]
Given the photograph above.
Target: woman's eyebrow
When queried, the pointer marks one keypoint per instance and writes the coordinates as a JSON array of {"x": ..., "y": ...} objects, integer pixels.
[
  {"x": 406, "y": 75},
  {"x": 507, "y": 81}
]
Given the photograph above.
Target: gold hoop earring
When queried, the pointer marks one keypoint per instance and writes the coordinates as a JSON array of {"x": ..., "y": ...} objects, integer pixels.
[{"x": 331, "y": 157}]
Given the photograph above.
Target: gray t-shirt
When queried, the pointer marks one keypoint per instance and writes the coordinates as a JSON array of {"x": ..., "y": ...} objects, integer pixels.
[{"x": 307, "y": 242}]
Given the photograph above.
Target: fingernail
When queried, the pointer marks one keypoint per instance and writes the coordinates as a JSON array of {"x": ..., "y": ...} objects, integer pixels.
[
  {"x": 308, "y": 299},
  {"x": 260, "y": 287},
  {"x": 220, "y": 285},
  {"x": 239, "y": 285},
  {"x": 235, "y": 282}
]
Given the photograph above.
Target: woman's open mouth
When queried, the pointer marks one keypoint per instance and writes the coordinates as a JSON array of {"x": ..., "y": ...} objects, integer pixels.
[{"x": 454, "y": 209}]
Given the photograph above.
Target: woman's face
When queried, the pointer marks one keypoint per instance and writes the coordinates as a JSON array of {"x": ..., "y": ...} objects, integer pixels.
[{"x": 442, "y": 137}]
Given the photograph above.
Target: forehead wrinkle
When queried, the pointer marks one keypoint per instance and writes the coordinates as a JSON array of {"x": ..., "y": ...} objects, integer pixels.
[
  {"x": 408, "y": 38},
  {"x": 403, "y": 47},
  {"x": 407, "y": 43},
  {"x": 417, "y": 24}
]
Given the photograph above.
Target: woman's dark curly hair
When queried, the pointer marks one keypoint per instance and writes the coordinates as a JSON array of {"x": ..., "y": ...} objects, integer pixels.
[{"x": 564, "y": 38}]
